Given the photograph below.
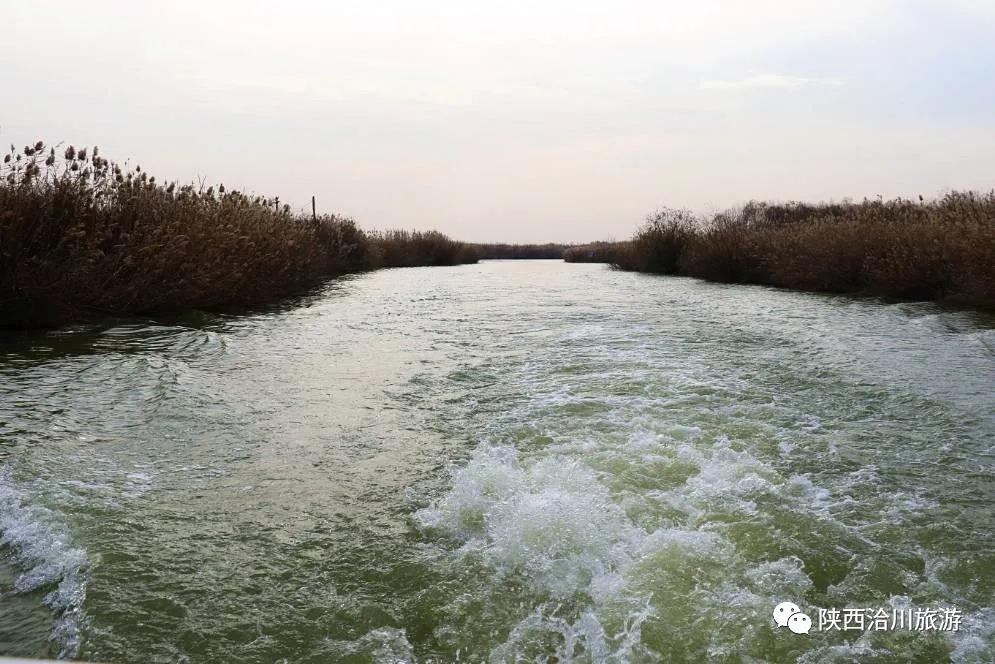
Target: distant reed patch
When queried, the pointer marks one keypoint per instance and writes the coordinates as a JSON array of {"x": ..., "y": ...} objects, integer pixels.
[
  {"x": 504, "y": 251},
  {"x": 595, "y": 252},
  {"x": 400, "y": 248}
]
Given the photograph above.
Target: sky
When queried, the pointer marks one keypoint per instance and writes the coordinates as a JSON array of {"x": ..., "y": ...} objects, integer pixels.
[{"x": 532, "y": 121}]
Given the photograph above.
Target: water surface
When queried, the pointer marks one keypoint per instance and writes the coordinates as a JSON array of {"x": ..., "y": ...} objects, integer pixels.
[{"x": 513, "y": 461}]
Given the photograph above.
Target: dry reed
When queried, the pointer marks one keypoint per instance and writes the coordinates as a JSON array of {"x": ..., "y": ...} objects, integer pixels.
[
  {"x": 940, "y": 250},
  {"x": 83, "y": 236}
]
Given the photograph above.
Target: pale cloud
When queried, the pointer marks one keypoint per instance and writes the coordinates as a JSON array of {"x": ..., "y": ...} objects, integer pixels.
[{"x": 776, "y": 81}]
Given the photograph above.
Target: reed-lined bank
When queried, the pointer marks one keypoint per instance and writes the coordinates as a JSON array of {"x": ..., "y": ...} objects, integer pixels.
[
  {"x": 504, "y": 251},
  {"x": 595, "y": 252},
  {"x": 83, "y": 236},
  {"x": 941, "y": 250}
]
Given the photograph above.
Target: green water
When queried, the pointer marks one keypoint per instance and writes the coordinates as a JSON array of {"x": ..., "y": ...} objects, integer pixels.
[{"x": 505, "y": 462}]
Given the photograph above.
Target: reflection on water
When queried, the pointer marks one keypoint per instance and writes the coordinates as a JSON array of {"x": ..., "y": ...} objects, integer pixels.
[{"x": 508, "y": 462}]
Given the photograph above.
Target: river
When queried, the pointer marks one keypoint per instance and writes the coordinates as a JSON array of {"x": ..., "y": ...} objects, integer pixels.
[{"x": 510, "y": 461}]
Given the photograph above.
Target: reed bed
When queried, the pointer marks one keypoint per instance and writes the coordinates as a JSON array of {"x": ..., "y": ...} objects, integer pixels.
[
  {"x": 595, "y": 252},
  {"x": 502, "y": 251},
  {"x": 400, "y": 248},
  {"x": 940, "y": 250},
  {"x": 82, "y": 236}
]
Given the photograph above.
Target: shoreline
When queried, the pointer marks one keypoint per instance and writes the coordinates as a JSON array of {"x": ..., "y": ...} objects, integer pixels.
[{"x": 927, "y": 251}]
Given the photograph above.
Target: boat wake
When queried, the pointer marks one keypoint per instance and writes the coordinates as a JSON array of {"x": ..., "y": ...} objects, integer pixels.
[{"x": 40, "y": 549}]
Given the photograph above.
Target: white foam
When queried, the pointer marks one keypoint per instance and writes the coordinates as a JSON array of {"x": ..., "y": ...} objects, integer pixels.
[
  {"x": 584, "y": 639},
  {"x": 383, "y": 645},
  {"x": 974, "y": 643},
  {"x": 552, "y": 521},
  {"x": 41, "y": 548}
]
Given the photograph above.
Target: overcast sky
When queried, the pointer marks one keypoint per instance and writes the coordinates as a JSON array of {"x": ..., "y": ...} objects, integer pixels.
[{"x": 517, "y": 121}]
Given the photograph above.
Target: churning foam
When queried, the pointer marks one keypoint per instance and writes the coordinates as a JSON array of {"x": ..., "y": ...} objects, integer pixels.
[
  {"x": 383, "y": 644},
  {"x": 553, "y": 522},
  {"x": 40, "y": 547},
  {"x": 606, "y": 584}
]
